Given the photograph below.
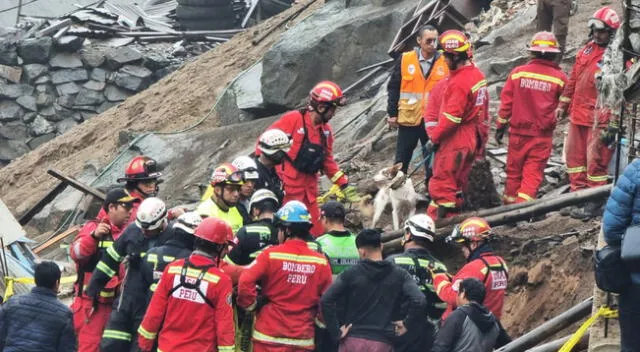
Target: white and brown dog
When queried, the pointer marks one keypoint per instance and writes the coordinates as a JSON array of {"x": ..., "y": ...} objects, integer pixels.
[{"x": 395, "y": 188}]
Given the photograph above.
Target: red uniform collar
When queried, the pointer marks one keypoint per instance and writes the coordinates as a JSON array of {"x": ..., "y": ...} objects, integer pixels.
[{"x": 544, "y": 62}]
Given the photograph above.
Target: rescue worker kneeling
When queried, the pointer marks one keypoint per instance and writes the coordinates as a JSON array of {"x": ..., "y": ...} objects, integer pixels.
[
  {"x": 191, "y": 308},
  {"x": 292, "y": 277}
]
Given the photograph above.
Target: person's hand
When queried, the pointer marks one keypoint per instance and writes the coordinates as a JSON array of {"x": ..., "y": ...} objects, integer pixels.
[
  {"x": 392, "y": 121},
  {"x": 559, "y": 113},
  {"x": 500, "y": 133},
  {"x": 350, "y": 193},
  {"x": 174, "y": 213},
  {"x": 102, "y": 230},
  {"x": 431, "y": 147},
  {"x": 344, "y": 331},
  {"x": 400, "y": 329}
]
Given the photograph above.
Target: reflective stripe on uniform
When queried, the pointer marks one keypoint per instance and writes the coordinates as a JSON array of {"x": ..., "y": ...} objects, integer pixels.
[
  {"x": 502, "y": 120},
  {"x": 478, "y": 86},
  {"x": 441, "y": 286},
  {"x": 168, "y": 258},
  {"x": 116, "y": 335},
  {"x": 195, "y": 273},
  {"x": 430, "y": 124},
  {"x": 593, "y": 178},
  {"x": 525, "y": 196},
  {"x": 404, "y": 261},
  {"x": 153, "y": 287},
  {"x": 105, "y": 244},
  {"x": 538, "y": 76},
  {"x": 282, "y": 340},
  {"x": 577, "y": 169},
  {"x": 105, "y": 269},
  {"x": 152, "y": 258},
  {"x": 297, "y": 258},
  {"x": 147, "y": 334},
  {"x": 320, "y": 324},
  {"x": 507, "y": 198},
  {"x": 257, "y": 229},
  {"x": 564, "y": 99},
  {"x": 114, "y": 255},
  {"x": 226, "y": 348},
  {"x": 445, "y": 204},
  {"x": 409, "y": 96},
  {"x": 337, "y": 176},
  {"x": 452, "y": 118}
]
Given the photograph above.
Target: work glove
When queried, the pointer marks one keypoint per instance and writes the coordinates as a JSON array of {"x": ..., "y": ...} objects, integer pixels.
[
  {"x": 500, "y": 131},
  {"x": 608, "y": 135},
  {"x": 431, "y": 147},
  {"x": 350, "y": 193}
]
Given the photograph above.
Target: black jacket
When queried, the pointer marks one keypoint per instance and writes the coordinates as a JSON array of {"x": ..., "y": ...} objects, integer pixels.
[
  {"x": 251, "y": 239},
  {"x": 268, "y": 179},
  {"x": 470, "y": 328},
  {"x": 371, "y": 291},
  {"x": 36, "y": 322}
]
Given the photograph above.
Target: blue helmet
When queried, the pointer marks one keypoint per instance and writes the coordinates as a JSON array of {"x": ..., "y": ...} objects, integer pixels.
[{"x": 293, "y": 214}]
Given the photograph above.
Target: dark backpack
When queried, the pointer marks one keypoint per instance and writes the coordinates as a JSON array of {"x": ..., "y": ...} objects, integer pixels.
[{"x": 612, "y": 274}]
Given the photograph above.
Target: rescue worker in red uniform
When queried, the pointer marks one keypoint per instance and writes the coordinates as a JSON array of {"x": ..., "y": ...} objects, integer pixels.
[
  {"x": 293, "y": 277},
  {"x": 528, "y": 103},
  {"x": 191, "y": 308},
  {"x": 458, "y": 136},
  {"x": 591, "y": 130},
  {"x": 90, "y": 317},
  {"x": 312, "y": 150},
  {"x": 473, "y": 235}
]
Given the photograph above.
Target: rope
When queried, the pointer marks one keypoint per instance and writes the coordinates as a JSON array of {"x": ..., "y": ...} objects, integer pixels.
[{"x": 604, "y": 312}]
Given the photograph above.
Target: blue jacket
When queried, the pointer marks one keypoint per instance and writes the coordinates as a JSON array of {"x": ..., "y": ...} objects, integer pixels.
[{"x": 36, "y": 322}]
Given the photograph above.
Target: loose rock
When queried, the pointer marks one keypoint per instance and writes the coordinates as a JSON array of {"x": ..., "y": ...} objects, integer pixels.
[
  {"x": 35, "y": 50},
  {"x": 34, "y": 71},
  {"x": 40, "y": 126},
  {"x": 121, "y": 56},
  {"x": 69, "y": 88},
  {"x": 40, "y": 140},
  {"x": 95, "y": 85},
  {"x": 92, "y": 57},
  {"x": 69, "y": 75},
  {"x": 29, "y": 117},
  {"x": 8, "y": 53},
  {"x": 89, "y": 97},
  {"x": 99, "y": 74},
  {"x": 14, "y": 130},
  {"x": 10, "y": 111},
  {"x": 13, "y": 91},
  {"x": 67, "y": 101},
  {"x": 65, "y": 60},
  {"x": 115, "y": 94},
  {"x": 42, "y": 80},
  {"x": 65, "y": 125},
  {"x": 28, "y": 102},
  {"x": 11, "y": 73},
  {"x": 134, "y": 78},
  {"x": 10, "y": 150},
  {"x": 69, "y": 43}
]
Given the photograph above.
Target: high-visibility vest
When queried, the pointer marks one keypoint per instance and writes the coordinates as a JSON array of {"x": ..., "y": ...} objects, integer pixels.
[
  {"x": 415, "y": 88},
  {"x": 209, "y": 208}
]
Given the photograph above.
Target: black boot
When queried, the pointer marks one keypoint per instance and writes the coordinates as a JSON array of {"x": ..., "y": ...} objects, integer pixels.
[{"x": 589, "y": 211}]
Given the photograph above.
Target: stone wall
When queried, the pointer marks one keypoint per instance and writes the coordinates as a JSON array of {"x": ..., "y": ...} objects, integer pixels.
[{"x": 47, "y": 87}]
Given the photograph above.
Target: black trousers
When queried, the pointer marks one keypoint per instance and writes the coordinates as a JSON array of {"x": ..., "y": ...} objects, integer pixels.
[
  {"x": 408, "y": 137},
  {"x": 121, "y": 332},
  {"x": 629, "y": 309}
]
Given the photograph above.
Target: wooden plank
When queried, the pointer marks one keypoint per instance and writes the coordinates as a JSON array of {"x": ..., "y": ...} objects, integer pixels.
[
  {"x": 77, "y": 184},
  {"x": 71, "y": 231},
  {"x": 26, "y": 217}
]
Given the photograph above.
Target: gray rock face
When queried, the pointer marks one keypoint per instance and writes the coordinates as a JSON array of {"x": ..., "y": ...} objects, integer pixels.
[
  {"x": 65, "y": 60},
  {"x": 115, "y": 94},
  {"x": 29, "y": 117},
  {"x": 99, "y": 74},
  {"x": 13, "y": 91},
  {"x": 69, "y": 88},
  {"x": 49, "y": 112},
  {"x": 118, "y": 57},
  {"x": 10, "y": 150},
  {"x": 35, "y": 50},
  {"x": 11, "y": 73},
  {"x": 67, "y": 101},
  {"x": 155, "y": 62},
  {"x": 8, "y": 53},
  {"x": 34, "y": 71},
  {"x": 89, "y": 97},
  {"x": 95, "y": 85},
  {"x": 41, "y": 126},
  {"x": 40, "y": 140},
  {"x": 10, "y": 111},
  {"x": 45, "y": 95},
  {"x": 69, "y": 75},
  {"x": 15, "y": 130},
  {"x": 28, "y": 102},
  {"x": 333, "y": 42},
  {"x": 134, "y": 78},
  {"x": 65, "y": 125},
  {"x": 92, "y": 57}
]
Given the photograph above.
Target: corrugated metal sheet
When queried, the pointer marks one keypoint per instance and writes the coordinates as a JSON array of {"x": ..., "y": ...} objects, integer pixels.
[{"x": 10, "y": 229}]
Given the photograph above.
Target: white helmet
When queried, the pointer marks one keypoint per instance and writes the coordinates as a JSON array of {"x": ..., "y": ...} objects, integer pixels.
[
  {"x": 262, "y": 194},
  {"x": 152, "y": 214},
  {"x": 188, "y": 222},
  {"x": 248, "y": 167},
  {"x": 273, "y": 141},
  {"x": 421, "y": 225}
]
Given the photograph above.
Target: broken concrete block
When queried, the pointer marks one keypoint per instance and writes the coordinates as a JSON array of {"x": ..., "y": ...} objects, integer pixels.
[
  {"x": 67, "y": 101},
  {"x": 34, "y": 71},
  {"x": 69, "y": 88},
  {"x": 14, "y": 130},
  {"x": 28, "y": 102},
  {"x": 69, "y": 43},
  {"x": 95, "y": 85},
  {"x": 40, "y": 140},
  {"x": 115, "y": 94},
  {"x": 65, "y": 125},
  {"x": 89, "y": 97},
  {"x": 134, "y": 78},
  {"x": 69, "y": 75},
  {"x": 65, "y": 60},
  {"x": 10, "y": 150},
  {"x": 13, "y": 91},
  {"x": 118, "y": 57},
  {"x": 92, "y": 57},
  {"x": 41, "y": 126},
  {"x": 10, "y": 111},
  {"x": 35, "y": 50},
  {"x": 11, "y": 73},
  {"x": 8, "y": 53},
  {"x": 29, "y": 117}
]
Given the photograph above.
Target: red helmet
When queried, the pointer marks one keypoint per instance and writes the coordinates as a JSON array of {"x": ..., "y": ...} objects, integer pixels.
[
  {"x": 455, "y": 42},
  {"x": 226, "y": 174},
  {"x": 605, "y": 18},
  {"x": 141, "y": 168},
  {"x": 544, "y": 42},
  {"x": 327, "y": 92},
  {"x": 471, "y": 230},
  {"x": 214, "y": 230}
]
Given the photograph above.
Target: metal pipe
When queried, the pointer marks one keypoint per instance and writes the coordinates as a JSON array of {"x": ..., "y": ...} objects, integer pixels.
[
  {"x": 555, "y": 345},
  {"x": 363, "y": 79},
  {"x": 382, "y": 63},
  {"x": 549, "y": 328}
]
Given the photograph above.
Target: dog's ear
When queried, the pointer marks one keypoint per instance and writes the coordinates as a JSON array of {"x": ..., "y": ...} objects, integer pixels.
[{"x": 397, "y": 166}]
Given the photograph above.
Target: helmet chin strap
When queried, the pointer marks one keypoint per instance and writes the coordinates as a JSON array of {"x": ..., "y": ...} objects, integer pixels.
[{"x": 148, "y": 195}]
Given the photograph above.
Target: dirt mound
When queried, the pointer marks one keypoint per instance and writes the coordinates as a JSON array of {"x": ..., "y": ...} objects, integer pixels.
[{"x": 172, "y": 104}]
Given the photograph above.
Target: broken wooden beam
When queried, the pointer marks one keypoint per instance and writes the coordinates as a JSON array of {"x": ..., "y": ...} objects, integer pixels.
[
  {"x": 77, "y": 184},
  {"x": 381, "y": 63},
  {"x": 48, "y": 198},
  {"x": 54, "y": 28},
  {"x": 55, "y": 239}
]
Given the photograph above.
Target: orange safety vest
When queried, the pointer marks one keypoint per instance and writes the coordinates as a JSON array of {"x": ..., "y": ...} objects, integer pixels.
[{"x": 415, "y": 88}]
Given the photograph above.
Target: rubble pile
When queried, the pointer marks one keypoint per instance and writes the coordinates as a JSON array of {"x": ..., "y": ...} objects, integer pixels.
[{"x": 500, "y": 12}]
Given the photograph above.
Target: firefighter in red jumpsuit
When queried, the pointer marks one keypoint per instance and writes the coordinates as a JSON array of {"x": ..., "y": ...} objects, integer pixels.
[
  {"x": 473, "y": 235},
  {"x": 528, "y": 103},
  {"x": 191, "y": 307},
  {"x": 293, "y": 277},
  {"x": 458, "y": 136},
  {"x": 312, "y": 150},
  {"x": 90, "y": 317},
  {"x": 591, "y": 135}
]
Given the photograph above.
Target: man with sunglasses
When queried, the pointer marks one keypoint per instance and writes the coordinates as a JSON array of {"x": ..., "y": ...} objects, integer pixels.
[
  {"x": 226, "y": 181},
  {"x": 411, "y": 82},
  {"x": 90, "y": 317},
  {"x": 311, "y": 150}
]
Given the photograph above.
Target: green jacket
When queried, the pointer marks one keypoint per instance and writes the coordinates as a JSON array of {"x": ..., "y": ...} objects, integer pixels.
[{"x": 340, "y": 247}]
